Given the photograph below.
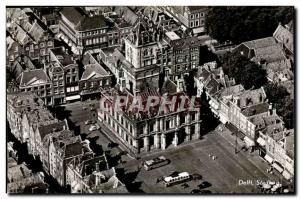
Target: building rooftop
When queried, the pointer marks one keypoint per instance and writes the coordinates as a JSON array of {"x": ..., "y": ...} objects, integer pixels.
[
  {"x": 33, "y": 78},
  {"x": 72, "y": 14},
  {"x": 255, "y": 109},
  {"x": 285, "y": 36},
  {"x": 172, "y": 35},
  {"x": 24, "y": 99},
  {"x": 63, "y": 57},
  {"x": 185, "y": 42},
  {"x": 91, "y": 23},
  {"x": 93, "y": 71},
  {"x": 52, "y": 127}
]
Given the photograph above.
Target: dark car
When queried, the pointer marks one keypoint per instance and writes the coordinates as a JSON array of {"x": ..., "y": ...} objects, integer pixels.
[
  {"x": 195, "y": 191},
  {"x": 205, "y": 191},
  {"x": 204, "y": 185}
]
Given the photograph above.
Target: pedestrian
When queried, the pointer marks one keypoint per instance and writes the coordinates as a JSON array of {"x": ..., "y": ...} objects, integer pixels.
[{"x": 209, "y": 155}]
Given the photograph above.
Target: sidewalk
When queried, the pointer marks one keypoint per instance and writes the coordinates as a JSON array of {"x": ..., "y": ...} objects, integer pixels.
[{"x": 253, "y": 157}]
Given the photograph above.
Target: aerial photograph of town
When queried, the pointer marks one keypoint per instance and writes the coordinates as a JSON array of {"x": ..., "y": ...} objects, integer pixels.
[{"x": 150, "y": 100}]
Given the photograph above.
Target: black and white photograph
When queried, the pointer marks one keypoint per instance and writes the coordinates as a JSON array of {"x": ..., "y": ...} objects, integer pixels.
[{"x": 145, "y": 100}]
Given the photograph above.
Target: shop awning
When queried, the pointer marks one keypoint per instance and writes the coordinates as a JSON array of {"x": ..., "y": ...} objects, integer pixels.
[
  {"x": 269, "y": 159},
  {"x": 261, "y": 141},
  {"x": 277, "y": 167},
  {"x": 198, "y": 30},
  {"x": 287, "y": 175},
  {"x": 248, "y": 141},
  {"x": 74, "y": 97}
]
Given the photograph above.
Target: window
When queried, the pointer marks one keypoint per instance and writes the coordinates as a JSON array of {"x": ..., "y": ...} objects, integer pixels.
[
  {"x": 192, "y": 24},
  {"x": 42, "y": 45},
  {"x": 192, "y": 16},
  {"x": 197, "y": 23}
]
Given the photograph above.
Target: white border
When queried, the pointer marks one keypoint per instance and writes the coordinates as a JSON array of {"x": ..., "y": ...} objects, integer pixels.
[{"x": 115, "y": 2}]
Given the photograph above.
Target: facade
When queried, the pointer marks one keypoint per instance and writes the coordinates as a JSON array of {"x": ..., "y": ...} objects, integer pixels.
[
  {"x": 192, "y": 17},
  {"x": 94, "y": 78},
  {"x": 81, "y": 31},
  {"x": 68, "y": 83},
  {"x": 146, "y": 132}
]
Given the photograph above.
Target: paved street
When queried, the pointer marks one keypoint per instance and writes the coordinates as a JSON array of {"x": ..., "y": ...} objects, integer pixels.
[
  {"x": 225, "y": 173},
  {"x": 79, "y": 116}
]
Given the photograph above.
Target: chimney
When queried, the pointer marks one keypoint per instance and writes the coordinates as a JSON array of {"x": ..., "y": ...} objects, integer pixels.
[
  {"x": 97, "y": 180},
  {"x": 270, "y": 111},
  {"x": 97, "y": 166},
  {"x": 63, "y": 48},
  {"x": 274, "y": 111},
  {"x": 85, "y": 170}
]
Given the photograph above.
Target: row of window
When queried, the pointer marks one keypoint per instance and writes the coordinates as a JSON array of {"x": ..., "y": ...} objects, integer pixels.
[
  {"x": 37, "y": 46},
  {"x": 95, "y": 40},
  {"x": 197, "y": 15},
  {"x": 93, "y": 32},
  {"x": 196, "y": 23}
]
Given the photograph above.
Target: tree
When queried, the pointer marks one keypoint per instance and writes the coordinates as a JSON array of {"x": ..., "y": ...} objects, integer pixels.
[
  {"x": 239, "y": 24},
  {"x": 279, "y": 96},
  {"x": 244, "y": 71}
]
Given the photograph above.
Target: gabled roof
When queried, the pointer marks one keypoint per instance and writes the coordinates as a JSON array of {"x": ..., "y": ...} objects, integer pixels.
[
  {"x": 126, "y": 13},
  {"x": 72, "y": 14},
  {"x": 260, "y": 43},
  {"x": 33, "y": 77},
  {"x": 169, "y": 87},
  {"x": 36, "y": 31},
  {"x": 53, "y": 127},
  {"x": 93, "y": 71},
  {"x": 283, "y": 35}
]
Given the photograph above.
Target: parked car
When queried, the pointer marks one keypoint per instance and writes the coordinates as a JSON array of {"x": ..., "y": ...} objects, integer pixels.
[
  {"x": 204, "y": 185},
  {"x": 94, "y": 127},
  {"x": 88, "y": 122},
  {"x": 195, "y": 191},
  {"x": 84, "y": 108}
]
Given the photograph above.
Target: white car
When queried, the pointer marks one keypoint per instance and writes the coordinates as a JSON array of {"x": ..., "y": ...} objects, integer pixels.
[{"x": 94, "y": 127}]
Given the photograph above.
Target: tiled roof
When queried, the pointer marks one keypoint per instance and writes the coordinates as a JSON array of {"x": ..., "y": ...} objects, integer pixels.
[
  {"x": 72, "y": 14},
  {"x": 73, "y": 149},
  {"x": 251, "y": 97},
  {"x": 283, "y": 35},
  {"x": 185, "y": 43},
  {"x": 56, "y": 126},
  {"x": 64, "y": 58},
  {"x": 93, "y": 70},
  {"x": 269, "y": 53},
  {"x": 36, "y": 31},
  {"x": 231, "y": 90},
  {"x": 127, "y": 14},
  {"x": 255, "y": 109},
  {"x": 272, "y": 119},
  {"x": 197, "y": 8},
  {"x": 37, "y": 76},
  {"x": 260, "y": 43},
  {"x": 169, "y": 87},
  {"x": 290, "y": 146},
  {"x": 90, "y": 23}
]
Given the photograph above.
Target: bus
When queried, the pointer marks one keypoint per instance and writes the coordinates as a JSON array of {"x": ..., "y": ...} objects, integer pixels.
[
  {"x": 155, "y": 163},
  {"x": 176, "y": 178}
]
